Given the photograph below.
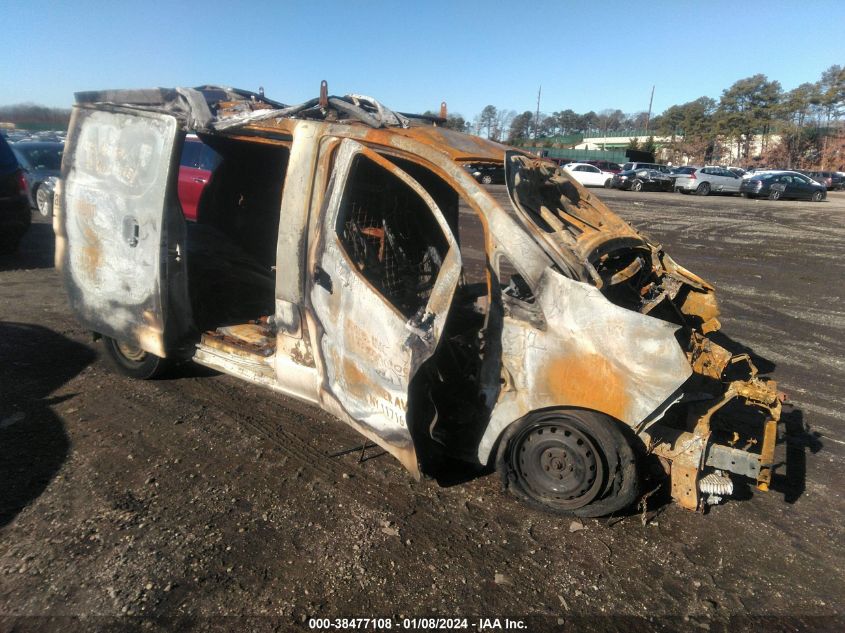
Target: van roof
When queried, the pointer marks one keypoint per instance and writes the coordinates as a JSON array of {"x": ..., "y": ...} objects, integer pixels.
[{"x": 216, "y": 110}]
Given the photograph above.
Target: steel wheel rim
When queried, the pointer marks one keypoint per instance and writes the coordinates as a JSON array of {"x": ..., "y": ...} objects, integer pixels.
[
  {"x": 131, "y": 352},
  {"x": 559, "y": 465}
]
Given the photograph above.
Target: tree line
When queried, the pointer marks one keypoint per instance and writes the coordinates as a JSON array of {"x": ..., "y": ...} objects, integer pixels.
[
  {"x": 794, "y": 128},
  {"x": 33, "y": 116}
]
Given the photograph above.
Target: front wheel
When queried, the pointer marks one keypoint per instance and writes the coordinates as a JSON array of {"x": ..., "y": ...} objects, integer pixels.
[
  {"x": 818, "y": 196},
  {"x": 569, "y": 462},
  {"x": 44, "y": 201},
  {"x": 487, "y": 179},
  {"x": 774, "y": 194},
  {"x": 130, "y": 360}
]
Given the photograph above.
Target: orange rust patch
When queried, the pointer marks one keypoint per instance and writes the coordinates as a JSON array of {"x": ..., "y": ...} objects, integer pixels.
[
  {"x": 588, "y": 381},
  {"x": 91, "y": 260},
  {"x": 354, "y": 376},
  {"x": 701, "y": 304}
]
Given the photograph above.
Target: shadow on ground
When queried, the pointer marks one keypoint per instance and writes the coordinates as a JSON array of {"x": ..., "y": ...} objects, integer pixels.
[
  {"x": 36, "y": 250},
  {"x": 34, "y": 362}
]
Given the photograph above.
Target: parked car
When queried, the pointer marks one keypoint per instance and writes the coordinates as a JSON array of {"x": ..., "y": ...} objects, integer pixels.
[
  {"x": 588, "y": 175},
  {"x": 642, "y": 180},
  {"x": 832, "y": 180},
  {"x": 706, "y": 180},
  {"x": 636, "y": 165},
  {"x": 196, "y": 169},
  {"x": 757, "y": 170},
  {"x": 332, "y": 270},
  {"x": 782, "y": 184},
  {"x": 40, "y": 161},
  {"x": 15, "y": 216},
  {"x": 488, "y": 174},
  {"x": 604, "y": 165},
  {"x": 681, "y": 170}
]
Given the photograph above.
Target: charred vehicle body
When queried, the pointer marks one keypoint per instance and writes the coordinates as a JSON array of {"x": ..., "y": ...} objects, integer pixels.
[{"x": 327, "y": 262}]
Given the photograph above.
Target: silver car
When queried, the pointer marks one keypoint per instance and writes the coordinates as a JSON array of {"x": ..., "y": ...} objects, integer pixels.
[{"x": 707, "y": 180}]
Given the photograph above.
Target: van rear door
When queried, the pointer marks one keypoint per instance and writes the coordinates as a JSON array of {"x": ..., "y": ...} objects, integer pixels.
[{"x": 117, "y": 195}]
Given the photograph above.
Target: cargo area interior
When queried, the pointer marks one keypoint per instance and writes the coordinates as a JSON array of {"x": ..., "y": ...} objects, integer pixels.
[
  {"x": 232, "y": 246},
  {"x": 388, "y": 233}
]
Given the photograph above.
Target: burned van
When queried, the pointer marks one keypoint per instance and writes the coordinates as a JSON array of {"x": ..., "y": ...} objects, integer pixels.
[{"x": 342, "y": 254}]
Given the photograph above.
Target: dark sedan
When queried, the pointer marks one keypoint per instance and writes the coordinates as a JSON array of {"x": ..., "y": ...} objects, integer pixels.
[
  {"x": 42, "y": 162},
  {"x": 642, "y": 180},
  {"x": 487, "y": 174},
  {"x": 775, "y": 185},
  {"x": 14, "y": 209}
]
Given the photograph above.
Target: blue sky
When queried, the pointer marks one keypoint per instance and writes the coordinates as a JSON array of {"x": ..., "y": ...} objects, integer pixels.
[{"x": 412, "y": 55}]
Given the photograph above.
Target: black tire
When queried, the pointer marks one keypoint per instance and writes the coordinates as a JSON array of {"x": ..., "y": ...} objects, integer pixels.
[
  {"x": 487, "y": 179},
  {"x": 703, "y": 189},
  {"x": 132, "y": 361},
  {"x": 43, "y": 202},
  {"x": 774, "y": 194},
  {"x": 817, "y": 196},
  {"x": 570, "y": 462},
  {"x": 637, "y": 185},
  {"x": 608, "y": 184}
]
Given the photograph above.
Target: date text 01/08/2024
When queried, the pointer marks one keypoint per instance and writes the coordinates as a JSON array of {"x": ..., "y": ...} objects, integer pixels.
[{"x": 410, "y": 624}]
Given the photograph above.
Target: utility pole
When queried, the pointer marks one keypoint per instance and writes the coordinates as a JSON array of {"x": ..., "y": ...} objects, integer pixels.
[
  {"x": 537, "y": 115},
  {"x": 648, "y": 116}
]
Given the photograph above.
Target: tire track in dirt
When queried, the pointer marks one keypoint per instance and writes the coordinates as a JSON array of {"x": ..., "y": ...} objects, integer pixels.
[{"x": 415, "y": 510}]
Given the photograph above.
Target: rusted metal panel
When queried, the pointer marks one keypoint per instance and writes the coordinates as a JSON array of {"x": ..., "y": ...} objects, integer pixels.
[
  {"x": 293, "y": 229},
  {"x": 591, "y": 354}
]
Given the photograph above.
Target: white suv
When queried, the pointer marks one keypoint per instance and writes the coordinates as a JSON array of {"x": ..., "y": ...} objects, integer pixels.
[{"x": 707, "y": 180}]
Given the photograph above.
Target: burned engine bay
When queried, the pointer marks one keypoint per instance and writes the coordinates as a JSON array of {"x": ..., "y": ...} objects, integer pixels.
[{"x": 725, "y": 419}]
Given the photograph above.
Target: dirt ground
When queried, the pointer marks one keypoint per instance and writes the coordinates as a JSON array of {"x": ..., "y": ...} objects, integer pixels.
[{"x": 199, "y": 502}]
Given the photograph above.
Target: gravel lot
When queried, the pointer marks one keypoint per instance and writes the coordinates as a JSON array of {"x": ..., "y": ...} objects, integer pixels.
[{"x": 199, "y": 502}]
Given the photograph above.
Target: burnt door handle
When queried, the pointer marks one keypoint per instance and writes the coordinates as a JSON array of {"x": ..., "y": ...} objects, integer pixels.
[
  {"x": 131, "y": 231},
  {"x": 322, "y": 278}
]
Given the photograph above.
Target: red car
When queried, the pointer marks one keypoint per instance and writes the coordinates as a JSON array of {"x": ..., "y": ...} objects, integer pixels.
[{"x": 195, "y": 172}]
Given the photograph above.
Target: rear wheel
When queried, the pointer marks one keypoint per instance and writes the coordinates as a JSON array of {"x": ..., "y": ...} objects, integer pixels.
[
  {"x": 774, "y": 194},
  {"x": 486, "y": 179},
  {"x": 132, "y": 361},
  {"x": 818, "y": 196},
  {"x": 569, "y": 462},
  {"x": 637, "y": 185},
  {"x": 608, "y": 183},
  {"x": 43, "y": 201},
  {"x": 703, "y": 189}
]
